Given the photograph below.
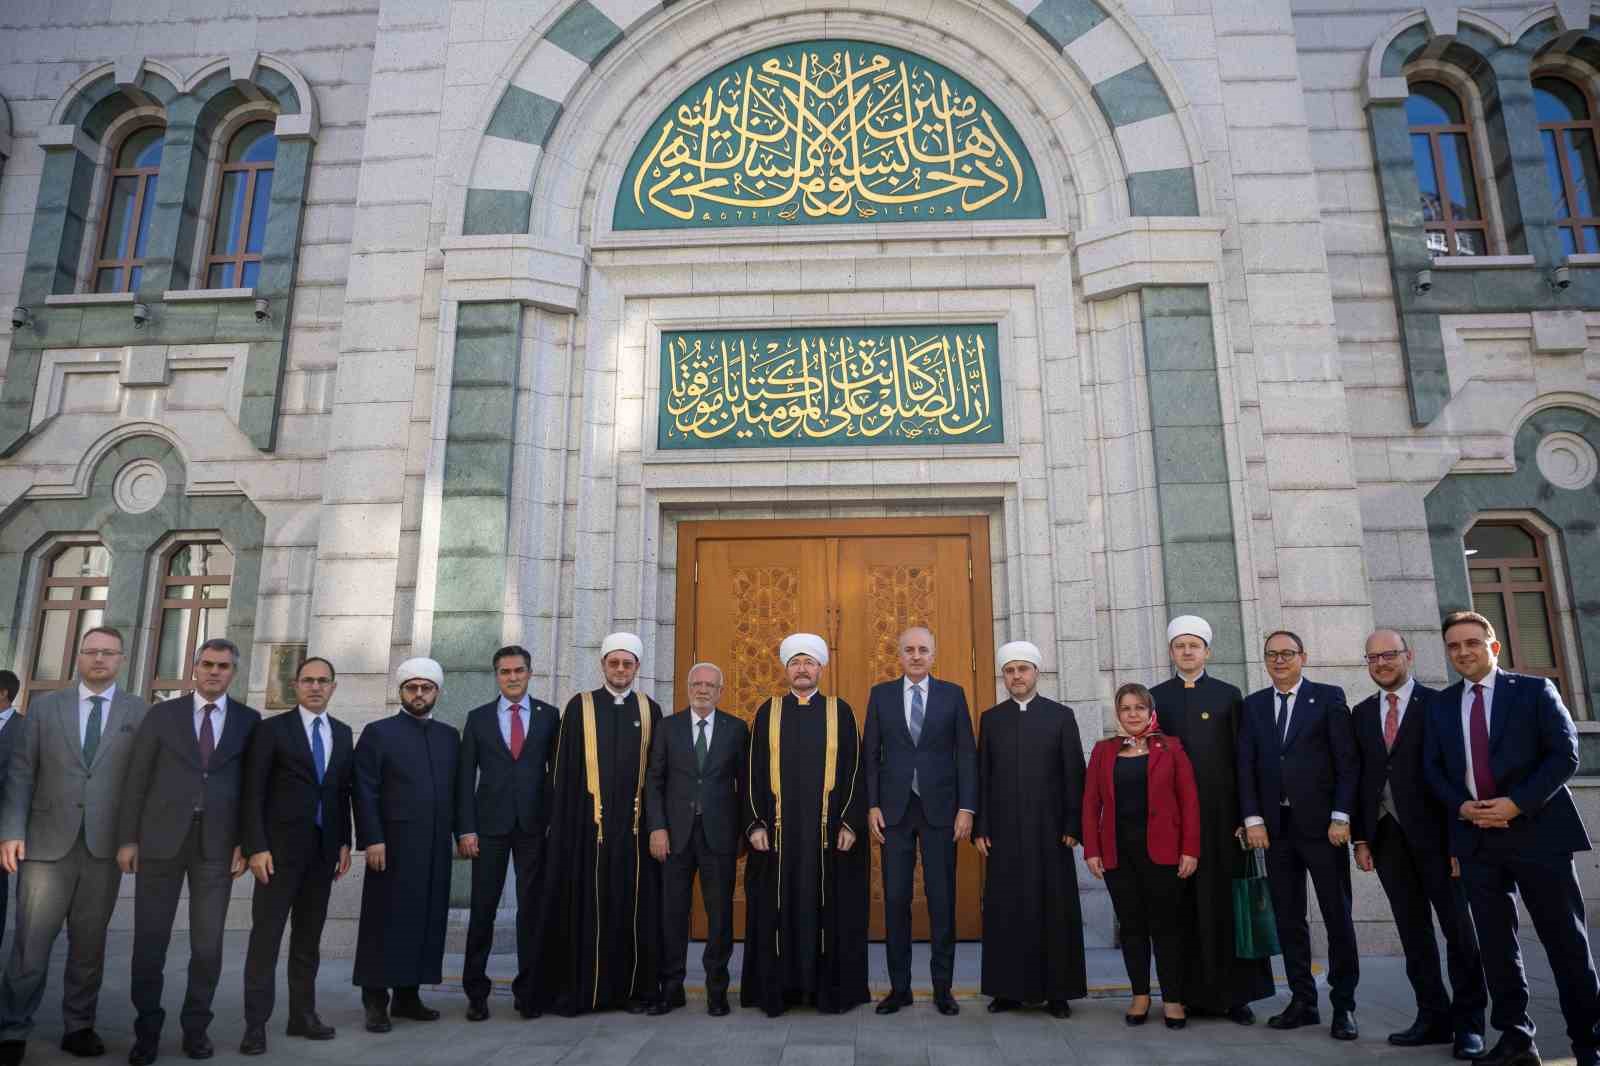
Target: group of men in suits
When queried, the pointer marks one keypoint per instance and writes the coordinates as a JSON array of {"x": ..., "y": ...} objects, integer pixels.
[{"x": 1459, "y": 800}]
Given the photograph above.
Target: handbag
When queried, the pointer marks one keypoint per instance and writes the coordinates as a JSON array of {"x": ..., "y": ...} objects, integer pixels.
[{"x": 1255, "y": 926}]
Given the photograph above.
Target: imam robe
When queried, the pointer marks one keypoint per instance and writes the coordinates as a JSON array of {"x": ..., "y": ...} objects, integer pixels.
[
  {"x": 404, "y": 798},
  {"x": 1030, "y": 795},
  {"x": 805, "y": 900},
  {"x": 601, "y": 924},
  {"x": 1206, "y": 719}
]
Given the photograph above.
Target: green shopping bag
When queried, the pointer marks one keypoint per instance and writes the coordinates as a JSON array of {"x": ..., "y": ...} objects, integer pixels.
[{"x": 1255, "y": 928}]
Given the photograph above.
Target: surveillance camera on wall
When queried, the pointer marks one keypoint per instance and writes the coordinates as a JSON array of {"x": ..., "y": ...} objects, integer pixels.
[
  {"x": 20, "y": 316},
  {"x": 1561, "y": 279},
  {"x": 263, "y": 310},
  {"x": 141, "y": 315},
  {"x": 1423, "y": 281}
]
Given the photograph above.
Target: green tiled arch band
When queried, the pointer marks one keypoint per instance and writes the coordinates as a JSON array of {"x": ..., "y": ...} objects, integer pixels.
[{"x": 1127, "y": 90}]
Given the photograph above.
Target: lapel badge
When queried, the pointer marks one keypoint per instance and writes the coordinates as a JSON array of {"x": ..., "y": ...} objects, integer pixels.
[{"x": 1205, "y": 715}]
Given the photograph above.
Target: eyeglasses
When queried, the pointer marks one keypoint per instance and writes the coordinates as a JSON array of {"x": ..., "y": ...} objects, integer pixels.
[
  {"x": 1383, "y": 657},
  {"x": 1282, "y": 656},
  {"x": 313, "y": 682}
]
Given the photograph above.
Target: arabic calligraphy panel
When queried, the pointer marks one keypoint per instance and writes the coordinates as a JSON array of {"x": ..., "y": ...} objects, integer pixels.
[
  {"x": 828, "y": 132},
  {"x": 784, "y": 388}
]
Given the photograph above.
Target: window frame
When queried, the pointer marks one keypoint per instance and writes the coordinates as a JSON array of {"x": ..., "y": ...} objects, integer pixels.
[
  {"x": 221, "y": 136},
  {"x": 1572, "y": 223},
  {"x": 238, "y": 260},
  {"x": 75, "y": 607},
  {"x": 1468, "y": 130},
  {"x": 1506, "y": 588},
  {"x": 161, "y": 603},
  {"x": 108, "y": 185}
]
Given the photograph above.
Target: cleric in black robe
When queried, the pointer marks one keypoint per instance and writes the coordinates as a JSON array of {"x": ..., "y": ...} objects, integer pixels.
[
  {"x": 1204, "y": 712},
  {"x": 1030, "y": 818},
  {"x": 404, "y": 798},
  {"x": 806, "y": 877},
  {"x": 601, "y": 922}
]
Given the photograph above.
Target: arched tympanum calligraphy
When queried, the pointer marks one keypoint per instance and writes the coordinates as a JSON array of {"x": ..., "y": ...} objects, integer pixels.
[{"x": 828, "y": 132}]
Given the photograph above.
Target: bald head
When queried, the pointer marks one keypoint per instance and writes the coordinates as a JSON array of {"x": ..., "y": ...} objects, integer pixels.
[
  {"x": 916, "y": 652},
  {"x": 1389, "y": 659}
]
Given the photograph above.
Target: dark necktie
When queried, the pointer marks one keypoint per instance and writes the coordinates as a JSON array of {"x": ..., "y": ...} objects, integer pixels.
[
  {"x": 1478, "y": 735},
  {"x": 517, "y": 733},
  {"x": 319, "y": 759},
  {"x": 1283, "y": 719},
  {"x": 700, "y": 746},
  {"x": 918, "y": 715},
  {"x": 208, "y": 736},
  {"x": 91, "y": 732}
]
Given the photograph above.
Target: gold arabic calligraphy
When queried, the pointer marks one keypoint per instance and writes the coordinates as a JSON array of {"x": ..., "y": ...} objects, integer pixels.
[
  {"x": 817, "y": 135},
  {"x": 771, "y": 387}
]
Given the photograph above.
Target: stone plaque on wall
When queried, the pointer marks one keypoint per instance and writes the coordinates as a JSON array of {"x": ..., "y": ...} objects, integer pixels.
[
  {"x": 844, "y": 386},
  {"x": 283, "y": 661}
]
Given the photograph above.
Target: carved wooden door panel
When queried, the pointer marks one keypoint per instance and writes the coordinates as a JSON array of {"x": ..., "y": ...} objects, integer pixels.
[{"x": 744, "y": 586}]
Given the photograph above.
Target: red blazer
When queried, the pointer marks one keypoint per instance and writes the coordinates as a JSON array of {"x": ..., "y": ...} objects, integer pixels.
[{"x": 1173, "y": 828}]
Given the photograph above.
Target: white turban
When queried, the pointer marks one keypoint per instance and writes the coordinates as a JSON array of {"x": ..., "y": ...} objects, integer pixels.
[
  {"x": 1018, "y": 651},
  {"x": 1189, "y": 625},
  {"x": 420, "y": 669},
  {"x": 803, "y": 644},
  {"x": 623, "y": 642}
]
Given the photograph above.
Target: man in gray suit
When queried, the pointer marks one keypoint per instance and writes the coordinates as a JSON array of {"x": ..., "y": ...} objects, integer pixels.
[{"x": 58, "y": 825}]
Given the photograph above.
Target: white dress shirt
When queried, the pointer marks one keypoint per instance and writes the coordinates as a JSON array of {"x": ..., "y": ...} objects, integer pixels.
[
  {"x": 1403, "y": 694},
  {"x": 6, "y": 716},
  {"x": 1283, "y": 731},
  {"x": 85, "y": 708},
  {"x": 618, "y": 698},
  {"x": 1022, "y": 705},
  {"x": 220, "y": 716},
  {"x": 1466, "y": 720},
  {"x": 504, "y": 714}
]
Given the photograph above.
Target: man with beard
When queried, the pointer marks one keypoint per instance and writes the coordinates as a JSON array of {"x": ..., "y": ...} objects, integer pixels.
[
  {"x": 602, "y": 898},
  {"x": 1030, "y": 817},
  {"x": 806, "y": 881},
  {"x": 405, "y": 780},
  {"x": 1204, "y": 713}
]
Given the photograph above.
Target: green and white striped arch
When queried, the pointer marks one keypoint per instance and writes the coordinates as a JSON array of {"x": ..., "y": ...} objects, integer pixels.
[{"x": 1128, "y": 91}]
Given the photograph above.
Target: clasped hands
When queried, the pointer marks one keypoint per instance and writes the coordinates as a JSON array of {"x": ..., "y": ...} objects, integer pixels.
[
  {"x": 1490, "y": 814},
  {"x": 759, "y": 841},
  {"x": 962, "y": 830}
]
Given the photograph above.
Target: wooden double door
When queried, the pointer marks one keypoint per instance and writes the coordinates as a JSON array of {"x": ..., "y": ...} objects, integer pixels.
[{"x": 745, "y": 585}]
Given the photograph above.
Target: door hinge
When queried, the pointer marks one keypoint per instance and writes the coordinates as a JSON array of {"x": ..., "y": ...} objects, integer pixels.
[
  {"x": 974, "y": 660},
  {"x": 697, "y": 572},
  {"x": 969, "y": 570}
]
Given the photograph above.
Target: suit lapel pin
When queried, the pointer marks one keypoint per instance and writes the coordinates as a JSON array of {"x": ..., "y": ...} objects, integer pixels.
[{"x": 1205, "y": 714}]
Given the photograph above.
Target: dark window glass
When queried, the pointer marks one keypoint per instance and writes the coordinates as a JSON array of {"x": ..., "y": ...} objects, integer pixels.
[{"x": 129, "y": 207}]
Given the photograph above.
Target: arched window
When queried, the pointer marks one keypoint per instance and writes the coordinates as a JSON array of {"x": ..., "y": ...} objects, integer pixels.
[
  {"x": 240, "y": 227},
  {"x": 191, "y": 608},
  {"x": 1508, "y": 563},
  {"x": 1568, "y": 128},
  {"x": 72, "y": 599},
  {"x": 130, "y": 202},
  {"x": 1441, "y": 149}
]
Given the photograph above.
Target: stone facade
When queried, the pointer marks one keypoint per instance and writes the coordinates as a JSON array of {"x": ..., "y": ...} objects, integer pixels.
[{"x": 1224, "y": 389}]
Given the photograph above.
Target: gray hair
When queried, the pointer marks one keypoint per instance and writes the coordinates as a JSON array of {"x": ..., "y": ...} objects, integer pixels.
[
  {"x": 217, "y": 644},
  {"x": 708, "y": 666}
]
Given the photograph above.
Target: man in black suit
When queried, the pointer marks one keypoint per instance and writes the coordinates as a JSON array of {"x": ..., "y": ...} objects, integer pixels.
[
  {"x": 693, "y": 787},
  {"x": 1402, "y": 830},
  {"x": 1298, "y": 772},
  {"x": 1501, "y": 748},
  {"x": 296, "y": 827},
  {"x": 922, "y": 790},
  {"x": 10, "y": 726},
  {"x": 506, "y": 749},
  {"x": 180, "y": 820}
]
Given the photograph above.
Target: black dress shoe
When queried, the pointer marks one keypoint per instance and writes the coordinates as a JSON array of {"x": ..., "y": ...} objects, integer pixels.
[
  {"x": 1512, "y": 1053},
  {"x": 140, "y": 1055},
  {"x": 198, "y": 1046},
  {"x": 638, "y": 1006},
  {"x": 717, "y": 1006},
  {"x": 658, "y": 1008},
  {"x": 84, "y": 1043},
  {"x": 1344, "y": 1025},
  {"x": 1295, "y": 1015},
  {"x": 1469, "y": 1047},
  {"x": 1240, "y": 1015},
  {"x": 945, "y": 1003},
  {"x": 255, "y": 1041},
  {"x": 477, "y": 1010},
  {"x": 1059, "y": 1008},
  {"x": 527, "y": 1009},
  {"x": 378, "y": 1019},
  {"x": 893, "y": 1002},
  {"x": 412, "y": 1010},
  {"x": 1423, "y": 1031},
  {"x": 311, "y": 1027},
  {"x": 674, "y": 996},
  {"x": 1000, "y": 1006}
]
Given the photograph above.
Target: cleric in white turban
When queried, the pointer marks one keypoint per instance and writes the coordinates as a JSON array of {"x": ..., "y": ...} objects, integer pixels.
[
  {"x": 420, "y": 669},
  {"x": 803, "y": 644},
  {"x": 622, "y": 642},
  {"x": 1030, "y": 804},
  {"x": 1204, "y": 712}
]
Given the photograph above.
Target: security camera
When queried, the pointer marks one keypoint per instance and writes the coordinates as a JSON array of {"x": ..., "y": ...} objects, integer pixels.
[
  {"x": 1423, "y": 282},
  {"x": 20, "y": 317},
  {"x": 141, "y": 315},
  {"x": 263, "y": 310},
  {"x": 1561, "y": 280}
]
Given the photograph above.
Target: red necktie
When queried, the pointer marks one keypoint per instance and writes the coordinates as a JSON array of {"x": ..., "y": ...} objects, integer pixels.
[
  {"x": 517, "y": 734},
  {"x": 1478, "y": 736},
  {"x": 1391, "y": 722}
]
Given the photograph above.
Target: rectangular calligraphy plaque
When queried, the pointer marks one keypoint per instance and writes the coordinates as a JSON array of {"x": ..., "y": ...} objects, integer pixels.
[{"x": 784, "y": 388}]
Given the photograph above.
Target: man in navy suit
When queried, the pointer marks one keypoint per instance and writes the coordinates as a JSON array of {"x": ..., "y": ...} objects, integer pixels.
[
  {"x": 922, "y": 790},
  {"x": 1501, "y": 748},
  {"x": 506, "y": 748},
  {"x": 1402, "y": 830},
  {"x": 1298, "y": 771}
]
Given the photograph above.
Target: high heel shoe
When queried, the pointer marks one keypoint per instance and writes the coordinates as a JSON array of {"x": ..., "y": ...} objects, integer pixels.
[
  {"x": 1136, "y": 1019},
  {"x": 1176, "y": 1023}
]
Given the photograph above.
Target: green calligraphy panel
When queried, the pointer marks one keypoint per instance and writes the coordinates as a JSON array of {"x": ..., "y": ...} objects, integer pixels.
[
  {"x": 784, "y": 388},
  {"x": 828, "y": 132}
]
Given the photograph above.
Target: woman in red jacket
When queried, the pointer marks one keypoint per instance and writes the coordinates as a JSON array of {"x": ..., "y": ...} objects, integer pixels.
[{"x": 1141, "y": 833}]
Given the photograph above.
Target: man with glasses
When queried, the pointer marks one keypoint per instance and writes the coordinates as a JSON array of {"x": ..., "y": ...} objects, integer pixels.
[
  {"x": 58, "y": 825},
  {"x": 180, "y": 822},
  {"x": 1402, "y": 830},
  {"x": 1298, "y": 771},
  {"x": 295, "y": 821},
  {"x": 1501, "y": 748}
]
